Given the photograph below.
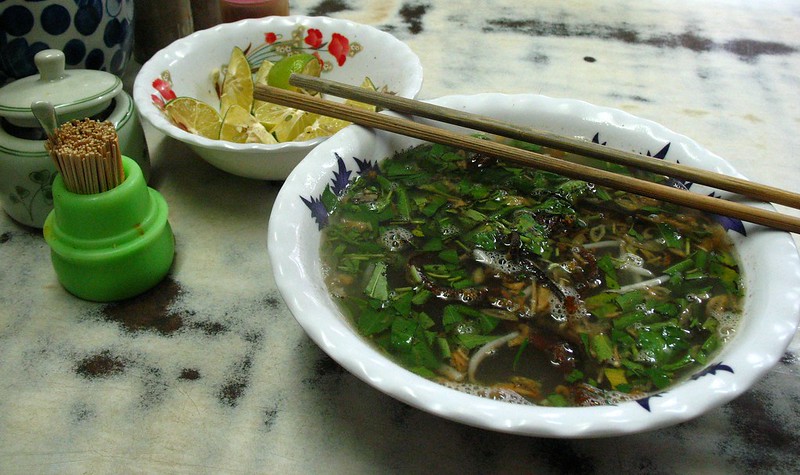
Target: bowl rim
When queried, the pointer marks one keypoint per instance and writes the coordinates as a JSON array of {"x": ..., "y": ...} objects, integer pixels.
[
  {"x": 311, "y": 305},
  {"x": 152, "y": 68}
]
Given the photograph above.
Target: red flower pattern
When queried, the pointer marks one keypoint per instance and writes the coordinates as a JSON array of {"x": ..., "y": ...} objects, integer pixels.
[
  {"x": 165, "y": 89},
  {"x": 158, "y": 101},
  {"x": 339, "y": 47},
  {"x": 314, "y": 38}
]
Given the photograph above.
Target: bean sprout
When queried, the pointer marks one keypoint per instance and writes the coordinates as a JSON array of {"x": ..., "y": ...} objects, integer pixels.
[
  {"x": 643, "y": 284},
  {"x": 485, "y": 351}
]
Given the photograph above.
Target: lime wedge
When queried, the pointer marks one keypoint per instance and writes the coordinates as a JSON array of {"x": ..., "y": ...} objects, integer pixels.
[
  {"x": 240, "y": 126},
  {"x": 302, "y": 63},
  {"x": 322, "y": 127},
  {"x": 366, "y": 84},
  {"x": 261, "y": 78},
  {"x": 263, "y": 71},
  {"x": 194, "y": 116},
  {"x": 292, "y": 123},
  {"x": 268, "y": 114},
  {"x": 237, "y": 87}
]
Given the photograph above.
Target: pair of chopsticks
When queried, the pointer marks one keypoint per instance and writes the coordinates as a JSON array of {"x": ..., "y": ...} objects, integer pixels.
[{"x": 522, "y": 157}]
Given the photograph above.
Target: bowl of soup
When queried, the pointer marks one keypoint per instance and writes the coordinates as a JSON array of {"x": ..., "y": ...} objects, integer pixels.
[{"x": 520, "y": 301}]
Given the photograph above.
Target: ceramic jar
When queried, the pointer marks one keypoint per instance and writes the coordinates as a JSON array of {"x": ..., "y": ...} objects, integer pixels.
[
  {"x": 93, "y": 34},
  {"x": 26, "y": 170}
]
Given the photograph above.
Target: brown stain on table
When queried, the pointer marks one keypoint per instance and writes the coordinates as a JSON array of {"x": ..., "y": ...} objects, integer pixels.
[
  {"x": 746, "y": 49},
  {"x": 189, "y": 374},
  {"x": 234, "y": 388},
  {"x": 100, "y": 365},
  {"x": 413, "y": 15},
  {"x": 326, "y": 7},
  {"x": 148, "y": 311}
]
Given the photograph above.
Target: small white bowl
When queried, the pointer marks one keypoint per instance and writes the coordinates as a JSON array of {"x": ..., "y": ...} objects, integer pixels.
[
  {"x": 188, "y": 63},
  {"x": 769, "y": 259}
]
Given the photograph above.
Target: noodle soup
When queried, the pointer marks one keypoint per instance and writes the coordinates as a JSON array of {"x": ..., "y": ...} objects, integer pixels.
[{"x": 526, "y": 286}]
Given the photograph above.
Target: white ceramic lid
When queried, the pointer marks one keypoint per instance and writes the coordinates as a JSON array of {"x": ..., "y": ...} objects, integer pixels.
[{"x": 75, "y": 93}]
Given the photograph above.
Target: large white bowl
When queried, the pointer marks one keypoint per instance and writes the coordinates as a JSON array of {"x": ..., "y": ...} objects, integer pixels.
[
  {"x": 769, "y": 258},
  {"x": 188, "y": 63}
]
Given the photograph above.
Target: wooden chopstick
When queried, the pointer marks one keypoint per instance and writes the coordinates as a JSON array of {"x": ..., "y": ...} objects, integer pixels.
[
  {"x": 519, "y": 156},
  {"x": 548, "y": 139}
]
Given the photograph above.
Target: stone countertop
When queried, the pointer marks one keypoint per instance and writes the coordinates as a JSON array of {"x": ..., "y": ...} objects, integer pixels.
[{"x": 209, "y": 373}]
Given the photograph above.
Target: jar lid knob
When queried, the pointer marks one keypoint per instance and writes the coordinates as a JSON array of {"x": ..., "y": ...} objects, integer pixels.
[
  {"x": 51, "y": 64},
  {"x": 75, "y": 93}
]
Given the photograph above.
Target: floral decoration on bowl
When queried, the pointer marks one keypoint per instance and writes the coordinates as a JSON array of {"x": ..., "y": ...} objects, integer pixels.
[
  {"x": 304, "y": 40},
  {"x": 275, "y": 47}
]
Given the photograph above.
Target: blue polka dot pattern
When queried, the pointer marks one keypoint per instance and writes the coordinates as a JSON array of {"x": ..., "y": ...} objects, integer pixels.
[
  {"x": 88, "y": 17},
  {"x": 74, "y": 52},
  {"x": 16, "y": 59},
  {"x": 55, "y": 19},
  {"x": 114, "y": 7},
  {"x": 17, "y": 20},
  {"x": 114, "y": 33},
  {"x": 94, "y": 34},
  {"x": 95, "y": 58},
  {"x": 117, "y": 59},
  {"x": 36, "y": 47}
]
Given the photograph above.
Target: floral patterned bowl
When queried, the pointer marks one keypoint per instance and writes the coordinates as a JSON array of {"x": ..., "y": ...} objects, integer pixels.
[
  {"x": 349, "y": 52},
  {"x": 769, "y": 258}
]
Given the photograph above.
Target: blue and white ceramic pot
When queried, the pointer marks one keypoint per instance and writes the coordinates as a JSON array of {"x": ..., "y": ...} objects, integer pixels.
[{"x": 93, "y": 34}]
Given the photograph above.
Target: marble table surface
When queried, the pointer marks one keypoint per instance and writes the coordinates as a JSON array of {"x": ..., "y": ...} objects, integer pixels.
[{"x": 209, "y": 373}]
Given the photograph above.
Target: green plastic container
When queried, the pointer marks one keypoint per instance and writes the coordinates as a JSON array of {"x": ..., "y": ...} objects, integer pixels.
[{"x": 112, "y": 245}]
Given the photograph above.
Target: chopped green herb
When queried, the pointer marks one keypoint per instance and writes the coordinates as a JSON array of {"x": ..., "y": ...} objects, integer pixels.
[
  {"x": 378, "y": 287},
  {"x": 489, "y": 249}
]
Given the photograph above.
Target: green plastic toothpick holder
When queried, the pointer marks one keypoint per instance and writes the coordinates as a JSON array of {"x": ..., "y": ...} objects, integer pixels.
[{"x": 111, "y": 245}]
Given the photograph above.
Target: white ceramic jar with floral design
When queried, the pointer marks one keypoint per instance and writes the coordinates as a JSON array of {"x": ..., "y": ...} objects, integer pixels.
[{"x": 26, "y": 170}]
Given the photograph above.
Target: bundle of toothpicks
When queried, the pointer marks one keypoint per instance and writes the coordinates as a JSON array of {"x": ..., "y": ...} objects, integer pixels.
[{"x": 86, "y": 153}]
